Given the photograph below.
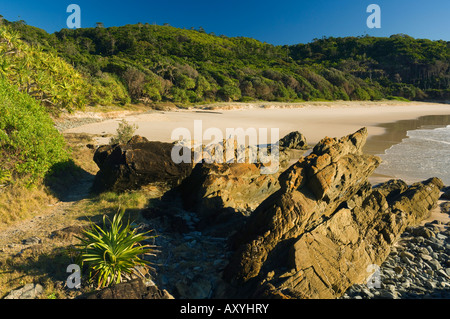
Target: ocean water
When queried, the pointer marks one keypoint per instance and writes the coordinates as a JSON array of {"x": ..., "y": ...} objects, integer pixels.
[{"x": 424, "y": 153}]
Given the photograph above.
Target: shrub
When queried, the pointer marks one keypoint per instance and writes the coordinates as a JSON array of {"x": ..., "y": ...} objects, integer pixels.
[
  {"x": 124, "y": 133},
  {"x": 112, "y": 252},
  {"x": 30, "y": 145}
]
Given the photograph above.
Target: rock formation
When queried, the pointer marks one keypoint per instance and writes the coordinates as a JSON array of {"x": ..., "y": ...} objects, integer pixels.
[
  {"x": 137, "y": 163},
  {"x": 240, "y": 185},
  {"x": 318, "y": 234},
  {"x": 294, "y": 140}
]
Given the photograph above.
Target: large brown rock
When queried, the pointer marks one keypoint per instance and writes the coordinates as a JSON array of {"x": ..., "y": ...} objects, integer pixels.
[
  {"x": 137, "y": 163},
  {"x": 222, "y": 194},
  {"x": 219, "y": 190},
  {"x": 239, "y": 186},
  {"x": 316, "y": 236},
  {"x": 294, "y": 140}
]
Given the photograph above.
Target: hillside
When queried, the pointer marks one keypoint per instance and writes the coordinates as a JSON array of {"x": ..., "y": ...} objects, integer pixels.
[{"x": 152, "y": 63}]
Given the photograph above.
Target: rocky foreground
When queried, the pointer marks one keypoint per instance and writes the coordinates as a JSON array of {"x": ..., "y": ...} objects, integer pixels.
[
  {"x": 314, "y": 230},
  {"x": 417, "y": 267}
]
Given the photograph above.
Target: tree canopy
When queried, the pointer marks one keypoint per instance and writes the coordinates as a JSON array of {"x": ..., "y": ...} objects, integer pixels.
[{"x": 151, "y": 63}]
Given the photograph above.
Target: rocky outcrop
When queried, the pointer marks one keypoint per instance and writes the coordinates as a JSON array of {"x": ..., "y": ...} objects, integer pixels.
[
  {"x": 222, "y": 194},
  {"x": 317, "y": 235},
  {"x": 294, "y": 140},
  {"x": 137, "y": 163},
  {"x": 240, "y": 186},
  {"x": 418, "y": 267}
]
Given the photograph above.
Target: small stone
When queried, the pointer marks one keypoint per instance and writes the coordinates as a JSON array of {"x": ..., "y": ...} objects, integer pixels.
[
  {"x": 425, "y": 257},
  {"x": 367, "y": 293},
  {"x": 418, "y": 239},
  {"x": 443, "y": 273},
  {"x": 407, "y": 255},
  {"x": 32, "y": 240},
  {"x": 398, "y": 270},
  {"x": 435, "y": 264},
  {"x": 430, "y": 284},
  {"x": 386, "y": 294},
  {"x": 423, "y": 232}
]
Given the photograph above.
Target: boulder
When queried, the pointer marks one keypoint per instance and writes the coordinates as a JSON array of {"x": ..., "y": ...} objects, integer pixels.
[
  {"x": 137, "y": 163},
  {"x": 29, "y": 291},
  {"x": 318, "y": 234},
  {"x": 222, "y": 194},
  {"x": 294, "y": 140},
  {"x": 213, "y": 187}
]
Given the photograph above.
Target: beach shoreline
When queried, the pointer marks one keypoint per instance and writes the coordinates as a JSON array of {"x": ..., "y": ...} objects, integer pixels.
[
  {"x": 314, "y": 120},
  {"x": 387, "y": 121}
]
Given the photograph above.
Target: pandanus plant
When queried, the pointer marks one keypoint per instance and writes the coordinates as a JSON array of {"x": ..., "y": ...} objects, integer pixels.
[{"x": 114, "y": 252}]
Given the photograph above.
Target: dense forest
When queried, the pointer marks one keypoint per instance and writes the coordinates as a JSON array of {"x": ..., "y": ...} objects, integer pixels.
[{"x": 151, "y": 63}]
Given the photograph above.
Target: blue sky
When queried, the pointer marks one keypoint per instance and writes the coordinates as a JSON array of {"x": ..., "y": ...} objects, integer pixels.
[{"x": 275, "y": 21}]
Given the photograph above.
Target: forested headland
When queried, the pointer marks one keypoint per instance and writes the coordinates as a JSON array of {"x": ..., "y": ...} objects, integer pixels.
[{"x": 150, "y": 64}]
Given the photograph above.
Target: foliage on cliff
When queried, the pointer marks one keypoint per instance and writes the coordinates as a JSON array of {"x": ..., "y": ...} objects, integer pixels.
[{"x": 152, "y": 63}]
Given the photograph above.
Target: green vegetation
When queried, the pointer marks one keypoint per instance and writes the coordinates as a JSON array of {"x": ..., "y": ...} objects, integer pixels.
[
  {"x": 151, "y": 64},
  {"x": 124, "y": 133},
  {"x": 39, "y": 73},
  {"x": 29, "y": 144},
  {"x": 112, "y": 252}
]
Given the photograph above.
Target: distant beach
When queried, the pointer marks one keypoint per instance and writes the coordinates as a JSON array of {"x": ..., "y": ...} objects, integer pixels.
[{"x": 387, "y": 122}]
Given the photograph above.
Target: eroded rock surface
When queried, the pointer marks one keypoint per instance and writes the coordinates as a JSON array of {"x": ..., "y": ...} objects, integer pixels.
[
  {"x": 137, "y": 163},
  {"x": 317, "y": 235}
]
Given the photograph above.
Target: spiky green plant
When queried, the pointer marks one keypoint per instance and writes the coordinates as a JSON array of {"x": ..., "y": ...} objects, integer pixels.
[{"x": 114, "y": 251}]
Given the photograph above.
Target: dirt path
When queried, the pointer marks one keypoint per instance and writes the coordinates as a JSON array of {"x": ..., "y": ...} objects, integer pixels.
[{"x": 60, "y": 215}]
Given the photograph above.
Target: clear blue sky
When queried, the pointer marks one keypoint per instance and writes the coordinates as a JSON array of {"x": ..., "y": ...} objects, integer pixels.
[{"x": 275, "y": 21}]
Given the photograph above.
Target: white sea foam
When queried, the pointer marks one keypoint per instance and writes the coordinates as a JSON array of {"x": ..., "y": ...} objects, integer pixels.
[{"x": 423, "y": 154}]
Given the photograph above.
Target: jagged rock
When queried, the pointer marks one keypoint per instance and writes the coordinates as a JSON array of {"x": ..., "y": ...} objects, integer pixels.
[
  {"x": 294, "y": 140},
  {"x": 241, "y": 186},
  {"x": 317, "y": 235},
  {"x": 446, "y": 193},
  {"x": 215, "y": 188},
  {"x": 137, "y": 163},
  {"x": 133, "y": 289},
  {"x": 222, "y": 194}
]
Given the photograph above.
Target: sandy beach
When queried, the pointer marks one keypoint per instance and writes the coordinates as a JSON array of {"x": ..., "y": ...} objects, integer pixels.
[
  {"x": 387, "y": 122},
  {"x": 314, "y": 120}
]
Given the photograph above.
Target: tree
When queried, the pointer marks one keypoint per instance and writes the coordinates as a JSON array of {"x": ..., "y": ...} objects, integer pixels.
[
  {"x": 135, "y": 80},
  {"x": 230, "y": 93}
]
